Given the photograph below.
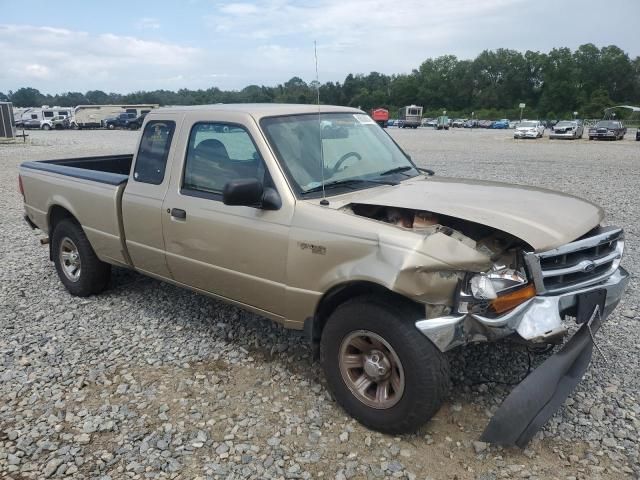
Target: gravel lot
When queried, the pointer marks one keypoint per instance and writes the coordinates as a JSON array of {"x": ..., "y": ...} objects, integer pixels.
[{"x": 149, "y": 381}]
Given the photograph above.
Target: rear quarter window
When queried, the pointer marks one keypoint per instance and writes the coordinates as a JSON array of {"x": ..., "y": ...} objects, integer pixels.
[{"x": 151, "y": 161}]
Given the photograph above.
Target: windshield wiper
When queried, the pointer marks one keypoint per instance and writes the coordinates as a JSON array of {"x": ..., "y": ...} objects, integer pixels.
[
  {"x": 397, "y": 170},
  {"x": 428, "y": 171},
  {"x": 346, "y": 182},
  {"x": 407, "y": 167}
]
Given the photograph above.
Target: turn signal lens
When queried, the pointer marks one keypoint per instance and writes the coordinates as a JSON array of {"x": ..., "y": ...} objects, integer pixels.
[{"x": 511, "y": 300}]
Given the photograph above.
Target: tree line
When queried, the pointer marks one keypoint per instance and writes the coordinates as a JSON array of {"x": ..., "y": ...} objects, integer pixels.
[{"x": 552, "y": 85}]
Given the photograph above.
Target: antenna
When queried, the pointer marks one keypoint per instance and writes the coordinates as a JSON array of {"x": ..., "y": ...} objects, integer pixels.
[{"x": 324, "y": 200}]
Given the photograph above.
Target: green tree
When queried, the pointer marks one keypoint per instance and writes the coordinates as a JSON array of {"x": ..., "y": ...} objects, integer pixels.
[
  {"x": 97, "y": 97},
  {"x": 27, "y": 97}
]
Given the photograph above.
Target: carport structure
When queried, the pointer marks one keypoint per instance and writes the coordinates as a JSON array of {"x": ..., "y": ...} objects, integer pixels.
[{"x": 609, "y": 113}]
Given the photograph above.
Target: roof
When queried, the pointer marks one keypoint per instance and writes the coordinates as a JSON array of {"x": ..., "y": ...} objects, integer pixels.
[
  {"x": 632, "y": 108},
  {"x": 259, "y": 110}
]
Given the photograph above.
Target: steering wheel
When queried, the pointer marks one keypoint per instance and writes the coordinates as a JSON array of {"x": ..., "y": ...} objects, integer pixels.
[{"x": 336, "y": 167}]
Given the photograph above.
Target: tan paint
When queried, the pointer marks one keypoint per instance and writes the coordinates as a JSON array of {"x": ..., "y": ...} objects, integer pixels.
[{"x": 280, "y": 263}]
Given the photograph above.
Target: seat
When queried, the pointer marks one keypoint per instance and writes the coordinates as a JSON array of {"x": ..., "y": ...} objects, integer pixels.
[{"x": 208, "y": 166}]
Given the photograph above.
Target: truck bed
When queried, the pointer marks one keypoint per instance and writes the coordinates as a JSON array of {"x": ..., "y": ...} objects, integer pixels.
[
  {"x": 110, "y": 169},
  {"x": 90, "y": 189}
]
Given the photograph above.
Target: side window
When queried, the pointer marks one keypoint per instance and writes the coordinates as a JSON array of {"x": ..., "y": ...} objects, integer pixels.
[
  {"x": 151, "y": 160},
  {"x": 48, "y": 114},
  {"x": 216, "y": 154}
]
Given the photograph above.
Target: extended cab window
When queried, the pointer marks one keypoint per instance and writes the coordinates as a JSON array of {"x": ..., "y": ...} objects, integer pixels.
[
  {"x": 218, "y": 153},
  {"x": 154, "y": 149}
]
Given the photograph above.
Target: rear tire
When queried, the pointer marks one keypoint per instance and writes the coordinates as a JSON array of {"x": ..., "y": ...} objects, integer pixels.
[
  {"x": 376, "y": 334},
  {"x": 46, "y": 127},
  {"x": 79, "y": 269}
]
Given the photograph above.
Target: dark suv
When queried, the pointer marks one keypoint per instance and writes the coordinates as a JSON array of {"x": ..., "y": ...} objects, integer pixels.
[{"x": 120, "y": 121}]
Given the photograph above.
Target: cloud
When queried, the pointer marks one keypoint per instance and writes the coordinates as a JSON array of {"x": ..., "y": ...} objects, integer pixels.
[
  {"x": 355, "y": 35},
  {"x": 148, "y": 23},
  {"x": 54, "y": 59}
]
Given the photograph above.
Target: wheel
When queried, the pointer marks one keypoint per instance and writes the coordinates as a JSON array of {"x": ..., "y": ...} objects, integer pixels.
[
  {"x": 80, "y": 270},
  {"x": 46, "y": 127},
  {"x": 590, "y": 137},
  {"x": 380, "y": 368},
  {"x": 111, "y": 126}
]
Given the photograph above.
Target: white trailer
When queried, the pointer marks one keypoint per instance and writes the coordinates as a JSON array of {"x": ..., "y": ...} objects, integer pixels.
[
  {"x": 93, "y": 116},
  {"x": 44, "y": 112},
  {"x": 410, "y": 116}
]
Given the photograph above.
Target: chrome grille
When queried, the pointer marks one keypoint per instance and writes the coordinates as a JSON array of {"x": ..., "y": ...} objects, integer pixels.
[{"x": 578, "y": 264}]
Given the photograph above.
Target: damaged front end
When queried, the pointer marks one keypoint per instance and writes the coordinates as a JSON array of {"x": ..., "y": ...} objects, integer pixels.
[{"x": 517, "y": 293}]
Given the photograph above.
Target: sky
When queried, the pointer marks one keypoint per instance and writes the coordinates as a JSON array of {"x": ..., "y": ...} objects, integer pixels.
[{"x": 124, "y": 46}]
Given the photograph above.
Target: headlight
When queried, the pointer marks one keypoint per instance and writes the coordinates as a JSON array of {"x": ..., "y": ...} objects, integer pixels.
[{"x": 494, "y": 292}]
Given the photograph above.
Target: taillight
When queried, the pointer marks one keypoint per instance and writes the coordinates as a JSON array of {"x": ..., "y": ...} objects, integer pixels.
[{"x": 20, "y": 186}]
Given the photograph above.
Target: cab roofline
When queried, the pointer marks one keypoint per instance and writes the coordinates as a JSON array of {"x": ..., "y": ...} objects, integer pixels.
[{"x": 257, "y": 110}]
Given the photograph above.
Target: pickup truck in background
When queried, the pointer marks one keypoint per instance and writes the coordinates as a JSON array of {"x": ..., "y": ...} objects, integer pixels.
[
  {"x": 318, "y": 220},
  {"x": 122, "y": 120}
]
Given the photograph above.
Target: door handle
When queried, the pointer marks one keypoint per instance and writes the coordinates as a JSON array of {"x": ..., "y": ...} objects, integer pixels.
[{"x": 178, "y": 213}]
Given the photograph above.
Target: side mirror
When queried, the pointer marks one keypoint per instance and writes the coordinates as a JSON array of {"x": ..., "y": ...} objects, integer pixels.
[{"x": 249, "y": 192}]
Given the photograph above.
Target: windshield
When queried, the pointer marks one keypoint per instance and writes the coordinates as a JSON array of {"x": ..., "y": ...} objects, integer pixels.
[
  {"x": 357, "y": 152},
  {"x": 607, "y": 124},
  {"x": 566, "y": 124},
  {"x": 527, "y": 124}
]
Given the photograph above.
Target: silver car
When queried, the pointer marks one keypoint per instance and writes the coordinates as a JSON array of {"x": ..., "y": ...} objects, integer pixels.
[
  {"x": 571, "y": 129},
  {"x": 529, "y": 129}
]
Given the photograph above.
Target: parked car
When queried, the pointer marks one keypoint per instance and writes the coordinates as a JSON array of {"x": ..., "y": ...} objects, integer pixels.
[
  {"x": 571, "y": 129},
  {"x": 458, "y": 122},
  {"x": 471, "y": 124},
  {"x": 500, "y": 124},
  {"x": 122, "y": 120},
  {"x": 58, "y": 122},
  {"x": 529, "y": 129},
  {"x": 430, "y": 122},
  {"x": 637, "y": 134},
  {"x": 484, "y": 123},
  {"x": 391, "y": 122},
  {"x": 137, "y": 122},
  {"x": 32, "y": 123},
  {"x": 608, "y": 129},
  {"x": 383, "y": 280}
]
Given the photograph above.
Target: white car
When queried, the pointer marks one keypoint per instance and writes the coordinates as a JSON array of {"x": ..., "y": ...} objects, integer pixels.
[{"x": 529, "y": 129}]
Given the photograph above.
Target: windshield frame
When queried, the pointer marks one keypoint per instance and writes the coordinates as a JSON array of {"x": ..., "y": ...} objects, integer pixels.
[
  {"x": 566, "y": 124},
  {"x": 610, "y": 124},
  {"x": 339, "y": 190}
]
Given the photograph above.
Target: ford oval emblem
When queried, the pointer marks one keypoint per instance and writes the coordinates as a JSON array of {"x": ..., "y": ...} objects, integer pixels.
[{"x": 589, "y": 266}]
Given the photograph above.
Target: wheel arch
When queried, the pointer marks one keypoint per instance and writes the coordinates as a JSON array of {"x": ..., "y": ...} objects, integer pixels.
[
  {"x": 56, "y": 214},
  {"x": 337, "y": 295}
]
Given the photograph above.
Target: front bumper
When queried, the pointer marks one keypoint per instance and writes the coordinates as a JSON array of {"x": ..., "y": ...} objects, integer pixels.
[
  {"x": 562, "y": 134},
  {"x": 525, "y": 135},
  {"x": 538, "y": 320}
]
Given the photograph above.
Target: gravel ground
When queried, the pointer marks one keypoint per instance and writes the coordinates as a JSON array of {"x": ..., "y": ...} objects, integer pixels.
[{"x": 150, "y": 381}]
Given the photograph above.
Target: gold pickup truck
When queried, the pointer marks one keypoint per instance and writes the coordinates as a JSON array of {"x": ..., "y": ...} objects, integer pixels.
[{"x": 315, "y": 218}]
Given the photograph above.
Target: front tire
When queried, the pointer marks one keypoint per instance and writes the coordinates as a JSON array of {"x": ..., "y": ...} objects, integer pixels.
[
  {"x": 380, "y": 368},
  {"x": 46, "y": 127},
  {"x": 79, "y": 269}
]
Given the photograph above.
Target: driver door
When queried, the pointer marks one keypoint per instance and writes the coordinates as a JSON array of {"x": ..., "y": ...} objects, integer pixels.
[{"x": 235, "y": 252}]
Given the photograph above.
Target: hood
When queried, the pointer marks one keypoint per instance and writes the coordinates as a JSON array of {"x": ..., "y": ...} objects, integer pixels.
[{"x": 544, "y": 219}]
